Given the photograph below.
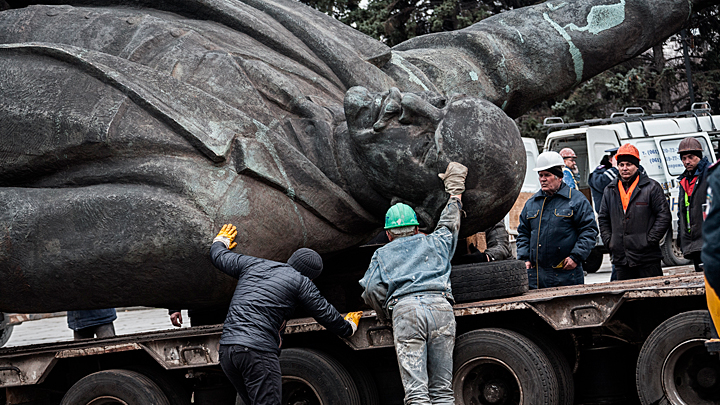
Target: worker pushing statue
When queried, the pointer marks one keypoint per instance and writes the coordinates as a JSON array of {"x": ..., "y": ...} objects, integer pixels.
[{"x": 129, "y": 130}]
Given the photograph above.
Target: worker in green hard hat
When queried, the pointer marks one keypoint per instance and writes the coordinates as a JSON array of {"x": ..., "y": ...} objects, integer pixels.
[{"x": 408, "y": 281}]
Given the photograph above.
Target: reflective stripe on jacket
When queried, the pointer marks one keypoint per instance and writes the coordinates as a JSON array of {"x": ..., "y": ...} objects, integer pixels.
[{"x": 691, "y": 241}]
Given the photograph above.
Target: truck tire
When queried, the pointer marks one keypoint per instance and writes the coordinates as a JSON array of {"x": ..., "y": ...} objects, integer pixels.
[
  {"x": 483, "y": 281},
  {"x": 175, "y": 392},
  {"x": 115, "y": 386},
  {"x": 593, "y": 262},
  {"x": 559, "y": 362},
  {"x": 674, "y": 367},
  {"x": 313, "y": 377},
  {"x": 499, "y": 366},
  {"x": 671, "y": 252},
  {"x": 5, "y": 329}
]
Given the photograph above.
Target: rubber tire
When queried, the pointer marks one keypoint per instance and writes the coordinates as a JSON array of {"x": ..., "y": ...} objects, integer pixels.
[
  {"x": 593, "y": 262},
  {"x": 175, "y": 392},
  {"x": 528, "y": 362},
  {"x": 129, "y": 386},
  {"x": 668, "y": 252},
  {"x": 561, "y": 365},
  {"x": 663, "y": 339},
  {"x": 364, "y": 381},
  {"x": 5, "y": 330},
  {"x": 484, "y": 281},
  {"x": 328, "y": 378}
]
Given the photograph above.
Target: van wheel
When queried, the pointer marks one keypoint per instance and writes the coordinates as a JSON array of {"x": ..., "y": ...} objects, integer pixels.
[
  {"x": 5, "y": 329},
  {"x": 111, "y": 387},
  {"x": 482, "y": 281},
  {"x": 498, "y": 366},
  {"x": 671, "y": 252},
  {"x": 313, "y": 378},
  {"x": 593, "y": 262},
  {"x": 674, "y": 366}
]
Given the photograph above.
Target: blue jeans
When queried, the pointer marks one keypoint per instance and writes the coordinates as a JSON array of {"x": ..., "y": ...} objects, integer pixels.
[{"x": 424, "y": 330}]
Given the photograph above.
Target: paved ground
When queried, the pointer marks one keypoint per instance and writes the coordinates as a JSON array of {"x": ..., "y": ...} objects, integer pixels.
[{"x": 139, "y": 319}]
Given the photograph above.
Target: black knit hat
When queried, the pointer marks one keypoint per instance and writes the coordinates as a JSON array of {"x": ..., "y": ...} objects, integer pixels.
[
  {"x": 628, "y": 158},
  {"x": 307, "y": 261},
  {"x": 556, "y": 170}
]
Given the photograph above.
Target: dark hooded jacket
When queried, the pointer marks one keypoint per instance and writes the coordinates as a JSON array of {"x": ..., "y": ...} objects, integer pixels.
[
  {"x": 690, "y": 236},
  {"x": 633, "y": 237},
  {"x": 266, "y": 295}
]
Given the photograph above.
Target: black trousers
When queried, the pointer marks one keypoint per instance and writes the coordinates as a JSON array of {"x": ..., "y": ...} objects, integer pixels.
[
  {"x": 652, "y": 269},
  {"x": 697, "y": 261},
  {"x": 255, "y": 375}
]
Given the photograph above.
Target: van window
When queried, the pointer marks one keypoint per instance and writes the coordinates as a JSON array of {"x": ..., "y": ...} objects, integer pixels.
[
  {"x": 670, "y": 149},
  {"x": 532, "y": 183},
  {"x": 650, "y": 157}
]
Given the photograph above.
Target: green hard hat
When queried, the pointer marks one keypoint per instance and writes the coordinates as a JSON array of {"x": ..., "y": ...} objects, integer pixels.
[{"x": 400, "y": 215}]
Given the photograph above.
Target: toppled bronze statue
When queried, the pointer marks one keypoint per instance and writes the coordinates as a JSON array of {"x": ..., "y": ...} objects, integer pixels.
[{"x": 129, "y": 130}]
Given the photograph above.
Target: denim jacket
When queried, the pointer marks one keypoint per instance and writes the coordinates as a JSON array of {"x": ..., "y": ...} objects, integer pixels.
[{"x": 413, "y": 264}]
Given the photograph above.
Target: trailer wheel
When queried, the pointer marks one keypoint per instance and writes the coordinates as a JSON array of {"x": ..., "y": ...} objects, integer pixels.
[
  {"x": 5, "y": 329},
  {"x": 561, "y": 365},
  {"x": 671, "y": 252},
  {"x": 593, "y": 262},
  {"x": 112, "y": 387},
  {"x": 498, "y": 366},
  {"x": 482, "y": 281},
  {"x": 674, "y": 367},
  {"x": 313, "y": 378},
  {"x": 175, "y": 392}
]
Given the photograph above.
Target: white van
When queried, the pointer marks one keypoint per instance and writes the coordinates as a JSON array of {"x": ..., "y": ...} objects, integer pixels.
[{"x": 657, "y": 138}]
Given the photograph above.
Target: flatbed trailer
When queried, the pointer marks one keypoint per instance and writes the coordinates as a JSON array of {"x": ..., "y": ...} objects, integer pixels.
[{"x": 622, "y": 342}]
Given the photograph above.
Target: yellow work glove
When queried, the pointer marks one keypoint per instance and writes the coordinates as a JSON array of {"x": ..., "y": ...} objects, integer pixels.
[
  {"x": 353, "y": 318},
  {"x": 227, "y": 235},
  {"x": 454, "y": 178}
]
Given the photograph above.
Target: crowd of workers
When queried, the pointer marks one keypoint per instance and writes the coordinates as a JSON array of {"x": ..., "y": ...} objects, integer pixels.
[
  {"x": 408, "y": 280},
  {"x": 557, "y": 227}
]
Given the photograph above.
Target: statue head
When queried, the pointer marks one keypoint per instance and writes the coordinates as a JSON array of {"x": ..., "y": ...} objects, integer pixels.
[{"x": 402, "y": 141}]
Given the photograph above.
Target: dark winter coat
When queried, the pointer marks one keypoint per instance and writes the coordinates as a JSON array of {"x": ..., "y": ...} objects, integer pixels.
[
  {"x": 266, "y": 295},
  {"x": 552, "y": 228},
  {"x": 633, "y": 237},
  {"x": 711, "y": 230},
  {"x": 691, "y": 240},
  {"x": 598, "y": 180}
]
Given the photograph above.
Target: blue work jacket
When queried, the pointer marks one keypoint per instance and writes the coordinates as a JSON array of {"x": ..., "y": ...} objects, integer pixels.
[
  {"x": 413, "y": 264},
  {"x": 552, "y": 228}
]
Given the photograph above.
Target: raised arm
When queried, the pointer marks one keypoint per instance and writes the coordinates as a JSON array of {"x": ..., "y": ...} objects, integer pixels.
[{"x": 518, "y": 58}]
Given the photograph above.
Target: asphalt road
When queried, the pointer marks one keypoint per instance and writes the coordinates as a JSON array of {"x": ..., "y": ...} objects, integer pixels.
[{"x": 140, "y": 319}]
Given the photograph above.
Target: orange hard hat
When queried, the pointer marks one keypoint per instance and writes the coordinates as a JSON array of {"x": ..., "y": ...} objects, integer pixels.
[{"x": 629, "y": 150}]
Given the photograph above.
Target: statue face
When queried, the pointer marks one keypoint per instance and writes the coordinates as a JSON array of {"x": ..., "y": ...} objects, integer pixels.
[
  {"x": 402, "y": 141},
  {"x": 395, "y": 139}
]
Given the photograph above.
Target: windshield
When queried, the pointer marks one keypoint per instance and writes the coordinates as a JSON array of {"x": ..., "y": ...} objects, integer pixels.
[{"x": 670, "y": 148}]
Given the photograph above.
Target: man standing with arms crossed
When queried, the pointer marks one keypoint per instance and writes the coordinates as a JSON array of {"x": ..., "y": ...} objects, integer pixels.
[
  {"x": 408, "y": 281},
  {"x": 634, "y": 217},
  {"x": 691, "y": 197}
]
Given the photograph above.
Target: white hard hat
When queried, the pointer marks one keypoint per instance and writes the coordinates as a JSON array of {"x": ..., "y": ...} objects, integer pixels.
[{"x": 547, "y": 160}]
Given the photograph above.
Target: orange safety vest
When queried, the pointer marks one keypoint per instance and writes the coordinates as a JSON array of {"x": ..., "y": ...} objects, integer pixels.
[{"x": 625, "y": 197}]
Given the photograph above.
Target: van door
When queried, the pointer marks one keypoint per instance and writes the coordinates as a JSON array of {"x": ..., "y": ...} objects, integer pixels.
[{"x": 598, "y": 141}]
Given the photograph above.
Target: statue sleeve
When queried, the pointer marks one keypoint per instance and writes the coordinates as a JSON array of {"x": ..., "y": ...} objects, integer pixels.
[{"x": 518, "y": 58}]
